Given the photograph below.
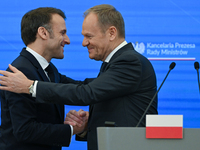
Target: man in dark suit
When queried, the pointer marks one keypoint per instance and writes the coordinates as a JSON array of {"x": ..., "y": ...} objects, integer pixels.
[
  {"x": 27, "y": 125},
  {"x": 121, "y": 92}
]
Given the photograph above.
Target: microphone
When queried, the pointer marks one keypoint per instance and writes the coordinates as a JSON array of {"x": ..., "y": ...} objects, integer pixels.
[
  {"x": 196, "y": 66},
  {"x": 172, "y": 65}
]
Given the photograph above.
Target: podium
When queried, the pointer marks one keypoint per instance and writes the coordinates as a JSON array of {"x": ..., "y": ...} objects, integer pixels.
[{"x": 134, "y": 138}]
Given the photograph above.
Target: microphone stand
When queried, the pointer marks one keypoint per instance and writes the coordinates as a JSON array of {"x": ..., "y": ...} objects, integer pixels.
[
  {"x": 198, "y": 79},
  {"x": 196, "y": 66},
  {"x": 155, "y": 95}
]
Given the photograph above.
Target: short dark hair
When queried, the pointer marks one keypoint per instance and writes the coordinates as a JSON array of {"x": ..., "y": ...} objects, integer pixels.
[
  {"x": 108, "y": 16},
  {"x": 36, "y": 18}
]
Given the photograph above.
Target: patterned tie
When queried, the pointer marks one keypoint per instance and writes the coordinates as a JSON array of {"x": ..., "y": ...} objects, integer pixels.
[{"x": 50, "y": 73}]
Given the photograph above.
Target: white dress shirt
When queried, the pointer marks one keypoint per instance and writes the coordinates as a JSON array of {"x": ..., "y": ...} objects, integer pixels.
[{"x": 114, "y": 51}]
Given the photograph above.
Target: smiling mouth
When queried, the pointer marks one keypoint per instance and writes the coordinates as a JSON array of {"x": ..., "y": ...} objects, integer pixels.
[
  {"x": 62, "y": 44},
  {"x": 90, "y": 50}
]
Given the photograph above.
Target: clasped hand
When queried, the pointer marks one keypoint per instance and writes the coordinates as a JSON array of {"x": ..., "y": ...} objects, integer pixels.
[{"x": 78, "y": 120}]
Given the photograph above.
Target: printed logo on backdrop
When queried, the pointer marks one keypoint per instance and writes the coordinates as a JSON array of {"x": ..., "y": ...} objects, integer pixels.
[
  {"x": 179, "y": 51},
  {"x": 139, "y": 47}
]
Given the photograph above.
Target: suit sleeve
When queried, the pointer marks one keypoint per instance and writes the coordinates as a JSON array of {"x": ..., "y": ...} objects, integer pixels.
[
  {"x": 67, "y": 80},
  {"x": 121, "y": 78}
]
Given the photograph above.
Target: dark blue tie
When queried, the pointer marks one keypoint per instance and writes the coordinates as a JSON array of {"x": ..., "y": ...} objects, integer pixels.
[
  {"x": 50, "y": 73},
  {"x": 103, "y": 66}
]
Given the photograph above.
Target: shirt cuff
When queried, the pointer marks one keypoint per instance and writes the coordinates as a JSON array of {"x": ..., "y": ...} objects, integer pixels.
[
  {"x": 34, "y": 89},
  {"x": 71, "y": 132}
]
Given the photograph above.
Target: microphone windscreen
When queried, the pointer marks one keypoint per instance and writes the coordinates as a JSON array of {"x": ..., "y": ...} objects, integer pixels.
[
  {"x": 196, "y": 65},
  {"x": 172, "y": 65}
]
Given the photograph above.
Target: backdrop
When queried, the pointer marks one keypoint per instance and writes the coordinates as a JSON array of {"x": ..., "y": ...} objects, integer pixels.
[{"x": 164, "y": 31}]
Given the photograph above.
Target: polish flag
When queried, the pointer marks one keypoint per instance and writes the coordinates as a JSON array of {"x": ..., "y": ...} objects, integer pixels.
[{"x": 164, "y": 126}]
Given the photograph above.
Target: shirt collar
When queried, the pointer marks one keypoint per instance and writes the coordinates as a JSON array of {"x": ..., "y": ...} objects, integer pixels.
[
  {"x": 114, "y": 51},
  {"x": 42, "y": 61}
]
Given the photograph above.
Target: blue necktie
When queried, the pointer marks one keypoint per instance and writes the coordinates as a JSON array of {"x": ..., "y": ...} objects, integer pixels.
[
  {"x": 103, "y": 66},
  {"x": 50, "y": 73}
]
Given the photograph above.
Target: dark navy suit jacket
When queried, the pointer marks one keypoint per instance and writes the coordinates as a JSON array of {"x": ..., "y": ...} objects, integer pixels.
[{"x": 27, "y": 125}]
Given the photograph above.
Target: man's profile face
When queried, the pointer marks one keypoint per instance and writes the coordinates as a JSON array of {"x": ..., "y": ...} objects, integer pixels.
[
  {"x": 96, "y": 41},
  {"x": 58, "y": 38}
]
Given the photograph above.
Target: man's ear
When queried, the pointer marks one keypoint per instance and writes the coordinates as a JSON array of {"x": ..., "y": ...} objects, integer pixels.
[
  {"x": 112, "y": 32},
  {"x": 42, "y": 32}
]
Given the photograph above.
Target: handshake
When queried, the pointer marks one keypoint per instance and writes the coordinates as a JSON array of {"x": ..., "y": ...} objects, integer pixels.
[{"x": 78, "y": 119}]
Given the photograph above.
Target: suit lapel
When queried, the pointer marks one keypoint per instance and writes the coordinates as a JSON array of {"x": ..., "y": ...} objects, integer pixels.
[
  {"x": 35, "y": 63},
  {"x": 105, "y": 65},
  {"x": 127, "y": 47},
  {"x": 41, "y": 72}
]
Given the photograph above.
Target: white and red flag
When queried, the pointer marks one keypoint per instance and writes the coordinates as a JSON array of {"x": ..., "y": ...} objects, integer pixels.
[{"x": 164, "y": 126}]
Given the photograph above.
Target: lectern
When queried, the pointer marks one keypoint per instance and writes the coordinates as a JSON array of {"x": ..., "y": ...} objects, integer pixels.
[{"x": 132, "y": 138}]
